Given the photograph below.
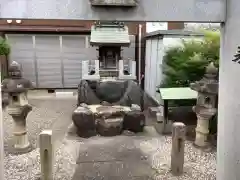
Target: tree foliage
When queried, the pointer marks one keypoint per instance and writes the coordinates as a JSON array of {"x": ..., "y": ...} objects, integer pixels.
[{"x": 185, "y": 64}]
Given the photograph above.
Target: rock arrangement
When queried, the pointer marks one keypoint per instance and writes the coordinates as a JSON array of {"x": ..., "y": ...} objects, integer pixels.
[
  {"x": 118, "y": 92},
  {"x": 107, "y": 120}
]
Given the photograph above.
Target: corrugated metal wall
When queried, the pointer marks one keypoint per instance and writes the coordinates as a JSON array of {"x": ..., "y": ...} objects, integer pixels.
[
  {"x": 153, "y": 65},
  {"x": 51, "y": 61}
]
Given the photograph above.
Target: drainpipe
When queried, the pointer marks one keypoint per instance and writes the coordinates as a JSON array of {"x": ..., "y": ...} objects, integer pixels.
[{"x": 139, "y": 52}]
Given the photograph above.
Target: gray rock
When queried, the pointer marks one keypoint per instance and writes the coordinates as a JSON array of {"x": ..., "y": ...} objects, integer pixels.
[
  {"x": 86, "y": 94},
  {"x": 111, "y": 91},
  {"x": 84, "y": 120},
  {"x": 84, "y": 105},
  {"x": 135, "y": 107},
  {"x": 110, "y": 126},
  {"x": 110, "y": 121},
  {"x": 134, "y": 121}
]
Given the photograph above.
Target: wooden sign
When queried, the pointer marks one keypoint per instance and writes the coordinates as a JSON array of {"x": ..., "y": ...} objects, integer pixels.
[{"x": 121, "y": 3}]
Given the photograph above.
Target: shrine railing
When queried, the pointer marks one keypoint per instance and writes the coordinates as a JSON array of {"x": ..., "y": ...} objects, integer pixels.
[{"x": 126, "y": 69}]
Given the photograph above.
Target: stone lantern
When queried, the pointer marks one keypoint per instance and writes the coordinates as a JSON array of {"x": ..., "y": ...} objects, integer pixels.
[
  {"x": 205, "y": 108},
  {"x": 16, "y": 87}
]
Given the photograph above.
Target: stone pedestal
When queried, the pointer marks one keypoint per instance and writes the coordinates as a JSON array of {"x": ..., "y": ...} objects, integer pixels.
[
  {"x": 202, "y": 132},
  {"x": 20, "y": 133},
  {"x": 19, "y": 115}
]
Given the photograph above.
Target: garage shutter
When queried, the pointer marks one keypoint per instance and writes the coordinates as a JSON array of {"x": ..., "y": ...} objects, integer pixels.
[
  {"x": 48, "y": 57},
  {"x": 22, "y": 51},
  {"x": 51, "y": 61},
  {"x": 73, "y": 53}
]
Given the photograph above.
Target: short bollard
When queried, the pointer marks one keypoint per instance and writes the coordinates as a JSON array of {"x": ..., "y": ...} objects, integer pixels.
[
  {"x": 46, "y": 155},
  {"x": 178, "y": 142}
]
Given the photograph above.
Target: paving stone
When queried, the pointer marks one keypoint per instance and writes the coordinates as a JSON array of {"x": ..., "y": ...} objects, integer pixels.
[
  {"x": 115, "y": 149},
  {"x": 120, "y": 170},
  {"x": 110, "y": 178},
  {"x": 115, "y": 158}
]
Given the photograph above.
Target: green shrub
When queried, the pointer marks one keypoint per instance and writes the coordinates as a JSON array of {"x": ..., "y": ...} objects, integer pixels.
[
  {"x": 4, "y": 47},
  {"x": 4, "y": 51}
]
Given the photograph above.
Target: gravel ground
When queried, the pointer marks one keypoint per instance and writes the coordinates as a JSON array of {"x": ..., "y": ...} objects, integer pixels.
[
  {"x": 56, "y": 114},
  {"x": 156, "y": 150},
  {"x": 52, "y": 114},
  {"x": 198, "y": 164}
]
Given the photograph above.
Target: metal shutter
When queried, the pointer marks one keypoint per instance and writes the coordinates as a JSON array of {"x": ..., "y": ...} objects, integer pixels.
[
  {"x": 48, "y": 57},
  {"x": 22, "y": 51}
]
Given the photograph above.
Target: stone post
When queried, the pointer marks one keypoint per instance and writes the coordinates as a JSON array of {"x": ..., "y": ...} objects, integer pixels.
[
  {"x": 85, "y": 69},
  {"x": 133, "y": 68},
  {"x": 96, "y": 67},
  {"x": 205, "y": 108},
  {"x": 121, "y": 67},
  {"x": 46, "y": 154},
  {"x": 178, "y": 143},
  {"x": 16, "y": 87}
]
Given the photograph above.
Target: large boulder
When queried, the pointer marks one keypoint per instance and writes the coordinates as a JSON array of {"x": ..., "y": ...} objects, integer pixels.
[
  {"x": 134, "y": 121},
  {"x": 111, "y": 91},
  {"x": 84, "y": 121}
]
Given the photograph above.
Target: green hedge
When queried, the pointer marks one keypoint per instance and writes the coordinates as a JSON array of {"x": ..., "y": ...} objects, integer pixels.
[{"x": 185, "y": 64}]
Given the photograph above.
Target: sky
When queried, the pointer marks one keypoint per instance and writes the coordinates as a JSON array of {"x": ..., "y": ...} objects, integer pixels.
[{"x": 154, "y": 26}]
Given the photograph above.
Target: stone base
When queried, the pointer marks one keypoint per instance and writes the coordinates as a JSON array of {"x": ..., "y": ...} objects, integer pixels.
[
  {"x": 107, "y": 120},
  {"x": 206, "y": 148},
  {"x": 24, "y": 150},
  {"x": 16, "y": 150}
]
